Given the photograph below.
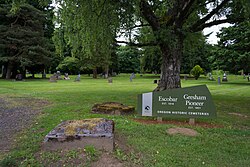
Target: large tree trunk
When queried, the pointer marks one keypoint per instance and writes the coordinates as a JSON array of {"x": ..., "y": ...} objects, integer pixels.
[
  {"x": 9, "y": 70},
  {"x": 4, "y": 71},
  {"x": 95, "y": 73},
  {"x": 106, "y": 71},
  {"x": 171, "y": 63}
]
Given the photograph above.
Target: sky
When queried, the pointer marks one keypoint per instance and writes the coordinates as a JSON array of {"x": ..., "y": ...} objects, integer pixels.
[{"x": 212, "y": 39}]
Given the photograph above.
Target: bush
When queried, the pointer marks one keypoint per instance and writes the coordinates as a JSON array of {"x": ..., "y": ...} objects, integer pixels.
[
  {"x": 196, "y": 71},
  {"x": 217, "y": 72}
]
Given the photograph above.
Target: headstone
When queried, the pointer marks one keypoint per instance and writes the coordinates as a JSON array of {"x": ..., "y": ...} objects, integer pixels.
[
  {"x": 224, "y": 79},
  {"x": 44, "y": 75},
  {"x": 114, "y": 74},
  {"x": 185, "y": 77},
  {"x": 78, "y": 78},
  {"x": 53, "y": 78},
  {"x": 103, "y": 74},
  {"x": 242, "y": 72},
  {"x": 219, "y": 80},
  {"x": 132, "y": 76},
  {"x": 19, "y": 77},
  {"x": 210, "y": 77},
  {"x": 58, "y": 75},
  {"x": 66, "y": 76},
  {"x": 110, "y": 80},
  {"x": 98, "y": 132},
  {"x": 244, "y": 76}
]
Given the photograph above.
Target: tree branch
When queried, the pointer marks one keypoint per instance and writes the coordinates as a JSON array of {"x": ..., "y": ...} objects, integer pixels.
[
  {"x": 206, "y": 3},
  {"x": 149, "y": 15},
  {"x": 138, "y": 44},
  {"x": 202, "y": 21},
  {"x": 186, "y": 11},
  {"x": 210, "y": 24},
  {"x": 139, "y": 26}
]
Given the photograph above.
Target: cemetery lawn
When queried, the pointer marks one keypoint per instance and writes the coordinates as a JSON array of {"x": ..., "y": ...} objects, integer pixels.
[{"x": 225, "y": 143}]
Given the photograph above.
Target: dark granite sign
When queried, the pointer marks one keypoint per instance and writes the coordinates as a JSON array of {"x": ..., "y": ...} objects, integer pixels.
[{"x": 190, "y": 102}]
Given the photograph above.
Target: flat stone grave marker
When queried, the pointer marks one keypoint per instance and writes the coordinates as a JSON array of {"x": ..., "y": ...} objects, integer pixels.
[
  {"x": 98, "y": 132},
  {"x": 112, "y": 108}
]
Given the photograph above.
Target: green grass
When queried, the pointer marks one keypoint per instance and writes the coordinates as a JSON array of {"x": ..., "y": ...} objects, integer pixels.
[{"x": 226, "y": 146}]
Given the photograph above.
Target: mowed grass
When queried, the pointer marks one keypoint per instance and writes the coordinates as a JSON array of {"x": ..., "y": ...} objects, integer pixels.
[{"x": 228, "y": 145}]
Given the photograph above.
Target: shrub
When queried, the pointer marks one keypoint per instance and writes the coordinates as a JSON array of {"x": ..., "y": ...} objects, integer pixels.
[{"x": 196, "y": 71}]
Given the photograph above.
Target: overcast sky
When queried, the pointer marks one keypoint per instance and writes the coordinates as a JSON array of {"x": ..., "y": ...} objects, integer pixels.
[{"x": 212, "y": 39}]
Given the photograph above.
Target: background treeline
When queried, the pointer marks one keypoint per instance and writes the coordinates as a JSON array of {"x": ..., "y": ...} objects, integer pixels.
[{"x": 34, "y": 39}]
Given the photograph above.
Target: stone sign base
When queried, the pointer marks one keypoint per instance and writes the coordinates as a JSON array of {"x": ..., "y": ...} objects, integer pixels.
[{"x": 98, "y": 132}]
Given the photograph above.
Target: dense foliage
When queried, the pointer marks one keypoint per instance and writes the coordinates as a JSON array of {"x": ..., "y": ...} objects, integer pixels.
[
  {"x": 91, "y": 28},
  {"x": 23, "y": 43},
  {"x": 128, "y": 60},
  {"x": 233, "y": 51},
  {"x": 89, "y": 31}
]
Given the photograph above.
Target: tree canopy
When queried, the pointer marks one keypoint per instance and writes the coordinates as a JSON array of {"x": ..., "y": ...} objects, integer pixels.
[
  {"x": 91, "y": 27},
  {"x": 95, "y": 24},
  {"x": 23, "y": 44},
  {"x": 233, "y": 52}
]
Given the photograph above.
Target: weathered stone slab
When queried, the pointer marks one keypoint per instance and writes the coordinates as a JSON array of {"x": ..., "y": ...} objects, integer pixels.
[
  {"x": 98, "y": 132},
  {"x": 113, "y": 108}
]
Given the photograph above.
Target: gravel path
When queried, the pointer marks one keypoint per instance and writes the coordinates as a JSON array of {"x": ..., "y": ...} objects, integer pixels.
[{"x": 16, "y": 114}]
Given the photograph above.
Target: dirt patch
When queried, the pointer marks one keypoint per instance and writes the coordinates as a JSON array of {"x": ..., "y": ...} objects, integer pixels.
[
  {"x": 179, "y": 123},
  {"x": 16, "y": 114},
  {"x": 107, "y": 160},
  {"x": 183, "y": 131}
]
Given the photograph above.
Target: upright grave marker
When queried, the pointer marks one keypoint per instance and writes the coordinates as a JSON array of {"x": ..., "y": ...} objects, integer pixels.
[{"x": 190, "y": 102}]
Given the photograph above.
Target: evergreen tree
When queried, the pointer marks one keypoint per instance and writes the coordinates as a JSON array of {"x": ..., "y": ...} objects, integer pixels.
[
  {"x": 23, "y": 44},
  {"x": 233, "y": 51},
  {"x": 128, "y": 59}
]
